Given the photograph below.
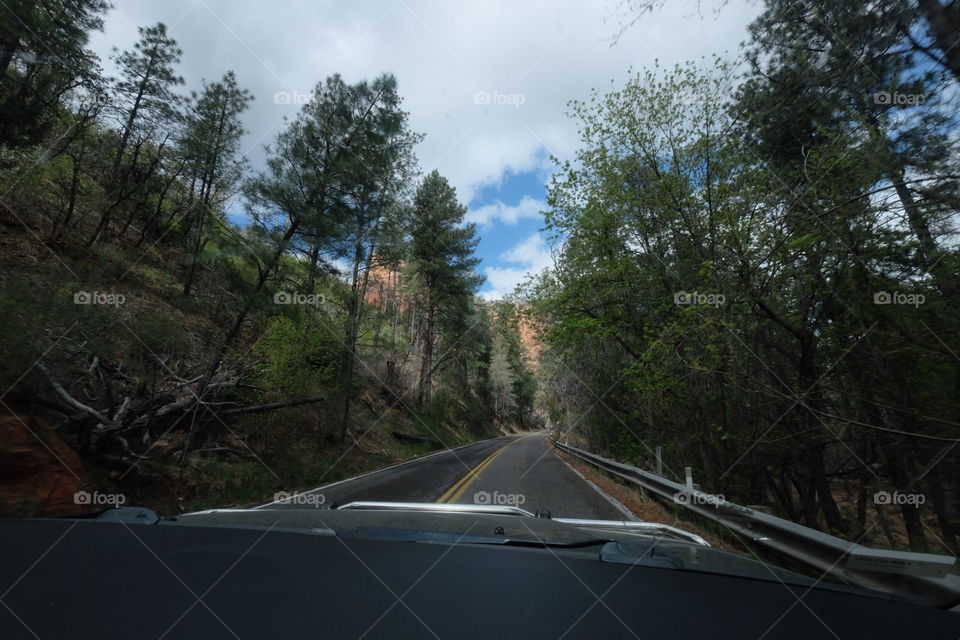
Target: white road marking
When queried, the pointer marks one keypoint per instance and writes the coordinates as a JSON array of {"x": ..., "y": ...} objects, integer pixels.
[
  {"x": 370, "y": 473},
  {"x": 616, "y": 503}
]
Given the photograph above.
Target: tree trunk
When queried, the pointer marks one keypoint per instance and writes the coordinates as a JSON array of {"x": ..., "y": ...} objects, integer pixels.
[
  {"x": 901, "y": 465},
  {"x": 350, "y": 342},
  {"x": 940, "y": 497},
  {"x": 930, "y": 252},
  {"x": 72, "y": 202},
  {"x": 195, "y": 252},
  {"x": 945, "y": 30},
  {"x": 914, "y": 527},
  {"x": 8, "y": 46},
  {"x": 814, "y": 453},
  {"x": 426, "y": 358},
  {"x": 158, "y": 210}
]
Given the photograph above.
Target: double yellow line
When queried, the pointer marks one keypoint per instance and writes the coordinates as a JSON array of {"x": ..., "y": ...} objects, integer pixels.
[{"x": 455, "y": 492}]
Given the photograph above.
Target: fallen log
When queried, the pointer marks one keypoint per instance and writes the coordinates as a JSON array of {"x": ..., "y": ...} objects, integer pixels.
[
  {"x": 70, "y": 400},
  {"x": 404, "y": 437}
]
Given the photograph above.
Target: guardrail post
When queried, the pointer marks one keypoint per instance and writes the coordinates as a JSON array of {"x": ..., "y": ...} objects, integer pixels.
[
  {"x": 659, "y": 460},
  {"x": 689, "y": 473}
]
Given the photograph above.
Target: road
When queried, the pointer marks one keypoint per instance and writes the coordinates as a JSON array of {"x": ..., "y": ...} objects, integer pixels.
[{"x": 520, "y": 470}]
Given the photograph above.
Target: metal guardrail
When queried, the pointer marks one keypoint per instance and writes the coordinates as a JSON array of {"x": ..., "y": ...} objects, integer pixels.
[{"x": 903, "y": 572}]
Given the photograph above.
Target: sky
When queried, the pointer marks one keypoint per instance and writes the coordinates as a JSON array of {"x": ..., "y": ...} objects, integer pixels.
[{"x": 487, "y": 82}]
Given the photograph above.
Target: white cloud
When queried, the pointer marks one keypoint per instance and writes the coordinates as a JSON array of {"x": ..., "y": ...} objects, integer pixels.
[
  {"x": 503, "y": 281},
  {"x": 534, "y": 256},
  {"x": 486, "y": 215},
  {"x": 533, "y": 251},
  {"x": 541, "y": 53}
]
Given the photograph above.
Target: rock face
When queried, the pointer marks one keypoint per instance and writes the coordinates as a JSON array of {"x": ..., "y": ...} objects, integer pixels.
[
  {"x": 530, "y": 340},
  {"x": 39, "y": 473},
  {"x": 385, "y": 286}
]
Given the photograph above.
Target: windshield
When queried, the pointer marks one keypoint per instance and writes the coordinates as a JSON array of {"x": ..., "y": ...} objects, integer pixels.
[{"x": 690, "y": 264}]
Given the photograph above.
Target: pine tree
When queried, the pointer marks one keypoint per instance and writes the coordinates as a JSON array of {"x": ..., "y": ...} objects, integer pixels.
[
  {"x": 442, "y": 260},
  {"x": 371, "y": 194},
  {"x": 43, "y": 58},
  {"x": 146, "y": 105},
  {"x": 147, "y": 80},
  {"x": 210, "y": 144}
]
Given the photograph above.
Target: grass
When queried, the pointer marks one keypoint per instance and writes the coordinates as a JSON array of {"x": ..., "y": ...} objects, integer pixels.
[{"x": 212, "y": 483}]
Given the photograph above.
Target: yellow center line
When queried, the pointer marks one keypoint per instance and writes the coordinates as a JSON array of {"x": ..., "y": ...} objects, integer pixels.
[
  {"x": 457, "y": 490},
  {"x": 470, "y": 474}
]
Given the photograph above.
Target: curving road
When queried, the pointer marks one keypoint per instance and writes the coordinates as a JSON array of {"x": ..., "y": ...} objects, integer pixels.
[{"x": 520, "y": 470}]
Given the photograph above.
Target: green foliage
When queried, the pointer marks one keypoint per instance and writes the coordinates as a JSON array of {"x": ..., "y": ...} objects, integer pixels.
[
  {"x": 121, "y": 186},
  {"x": 22, "y": 312},
  {"x": 298, "y": 359},
  {"x": 442, "y": 249},
  {"x": 210, "y": 145},
  {"x": 44, "y": 63},
  {"x": 147, "y": 79},
  {"x": 159, "y": 336},
  {"x": 442, "y": 262},
  {"x": 716, "y": 290},
  {"x": 513, "y": 385}
]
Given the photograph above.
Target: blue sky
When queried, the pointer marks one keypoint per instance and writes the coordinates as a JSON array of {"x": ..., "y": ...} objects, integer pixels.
[
  {"x": 508, "y": 224},
  {"x": 507, "y": 215}
]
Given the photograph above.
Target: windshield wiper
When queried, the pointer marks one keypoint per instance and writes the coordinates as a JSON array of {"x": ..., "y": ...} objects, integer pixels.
[{"x": 446, "y": 537}]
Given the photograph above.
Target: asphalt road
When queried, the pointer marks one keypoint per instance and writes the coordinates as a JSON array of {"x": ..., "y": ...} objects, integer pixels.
[{"x": 517, "y": 470}]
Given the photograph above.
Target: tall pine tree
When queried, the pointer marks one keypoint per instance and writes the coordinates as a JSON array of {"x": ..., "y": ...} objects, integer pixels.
[{"x": 442, "y": 260}]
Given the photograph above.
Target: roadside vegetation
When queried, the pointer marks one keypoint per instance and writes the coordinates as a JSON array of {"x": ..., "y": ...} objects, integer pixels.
[
  {"x": 758, "y": 272},
  {"x": 186, "y": 331}
]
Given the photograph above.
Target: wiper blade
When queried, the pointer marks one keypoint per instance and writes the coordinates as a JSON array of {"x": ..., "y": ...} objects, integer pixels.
[
  {"x": 436, "y": 507},
  {"x": 446, "y": 537},
  {"x": 642, "y": 528}
]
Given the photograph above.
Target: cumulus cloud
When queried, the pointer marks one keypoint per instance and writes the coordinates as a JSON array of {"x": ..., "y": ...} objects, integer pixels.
[
  {"x": 532, "y": 254},
  {"x": 532, "y": 251},
  {"x": 487, "y": 82},
  {"x": 486, "y": 215}
]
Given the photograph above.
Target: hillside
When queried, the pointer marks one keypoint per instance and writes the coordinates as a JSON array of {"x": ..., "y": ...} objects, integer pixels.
[
  {"x": 157, "y": 353},
  {"x": 150, "y": 350}
]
